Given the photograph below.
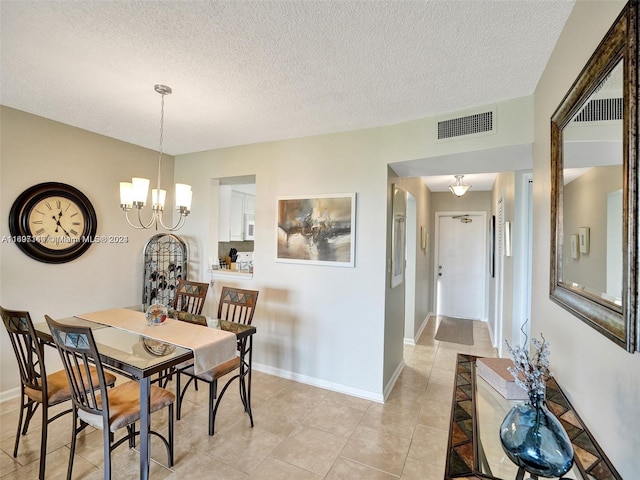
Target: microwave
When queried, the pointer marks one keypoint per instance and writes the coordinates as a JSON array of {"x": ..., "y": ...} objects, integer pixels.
[{"x": 249, "y": 227}]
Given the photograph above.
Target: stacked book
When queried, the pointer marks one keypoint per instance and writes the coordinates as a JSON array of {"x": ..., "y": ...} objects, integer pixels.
[{"x": 495, "y": 372}]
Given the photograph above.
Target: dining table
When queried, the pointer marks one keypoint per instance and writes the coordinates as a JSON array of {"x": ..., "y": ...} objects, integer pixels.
[{"x": 130, "y": 347}]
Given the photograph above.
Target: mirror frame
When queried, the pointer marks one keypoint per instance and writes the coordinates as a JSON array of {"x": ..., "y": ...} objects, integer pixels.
[{"x": 620, "y": 43}]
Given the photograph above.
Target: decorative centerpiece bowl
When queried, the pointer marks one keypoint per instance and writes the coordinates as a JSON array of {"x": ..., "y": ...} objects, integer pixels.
[
  {"x": 156, "y": 314},
  {"x": 159, "y": 349}
]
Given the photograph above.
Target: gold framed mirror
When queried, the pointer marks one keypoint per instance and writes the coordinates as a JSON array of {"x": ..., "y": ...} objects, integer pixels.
[{"x": 594, "y": 189}]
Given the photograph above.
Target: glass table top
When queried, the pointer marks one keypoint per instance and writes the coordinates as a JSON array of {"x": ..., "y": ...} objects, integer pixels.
[
  {"x": 121, "y": 346},
  {"x": 492, "y": 408},
  {"x": 475, "y": 451},
  {"x": 133, "y": 352}
]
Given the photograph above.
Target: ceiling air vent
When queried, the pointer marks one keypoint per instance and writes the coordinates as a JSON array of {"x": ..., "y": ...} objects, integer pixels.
[
  {"x": 468, "y": 125},
  {"x": 601, "y": 109}
]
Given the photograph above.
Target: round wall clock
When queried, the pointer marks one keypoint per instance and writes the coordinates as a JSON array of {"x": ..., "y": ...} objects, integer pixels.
[{"x": 52, "y": 222}]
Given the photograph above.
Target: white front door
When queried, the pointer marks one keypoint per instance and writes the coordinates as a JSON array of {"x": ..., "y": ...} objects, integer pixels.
[{"x": 461, "y": 265}]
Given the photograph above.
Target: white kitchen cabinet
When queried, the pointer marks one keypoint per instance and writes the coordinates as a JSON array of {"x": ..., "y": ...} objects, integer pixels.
[
  {"x": 236, "y": 216},
  {"x": 249, "y": 204},
  {"x": 224, "y": 210},
  {"x": 233, "y": 208}
]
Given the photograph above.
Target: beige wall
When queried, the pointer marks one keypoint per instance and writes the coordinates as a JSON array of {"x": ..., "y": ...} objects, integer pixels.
[
  {"x": 301, "y": 307},
  {"x": 35, "y": 150},
  {"x": 447, "y": 202},
  {"x": 304, "y": 306},
  {"x": 585, "y": 205},
  {"x": 601, "y": 379},
  {"x": 416, "y": 187},
  {"x": 312, "y": 320},
  {"x": 395, "y": 302}
]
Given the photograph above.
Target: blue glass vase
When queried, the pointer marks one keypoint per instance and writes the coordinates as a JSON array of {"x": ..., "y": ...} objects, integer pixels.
[{"x": 534, "y": 439}]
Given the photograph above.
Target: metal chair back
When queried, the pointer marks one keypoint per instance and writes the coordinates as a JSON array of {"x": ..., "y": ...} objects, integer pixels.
[
  {"x": 28, "y": 350},
  {"x": 237, "y": 305},
  {"x": 190, "y": 296},
  {"x": 78, "y": 351}
]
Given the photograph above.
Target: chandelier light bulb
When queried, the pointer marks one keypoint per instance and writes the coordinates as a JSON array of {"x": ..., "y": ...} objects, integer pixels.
[{"x": 459, "y": 188}]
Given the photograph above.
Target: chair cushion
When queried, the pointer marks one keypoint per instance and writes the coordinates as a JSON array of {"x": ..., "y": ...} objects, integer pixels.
[
  {"x": 124, "y": 405},
  {"x": 216, "y": 372},
  {"x": 188, "y": 317},
  {"x": 58, "y": 388}
]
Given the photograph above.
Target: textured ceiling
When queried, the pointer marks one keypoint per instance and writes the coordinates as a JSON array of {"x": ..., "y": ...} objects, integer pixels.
[{"x": 245, "y": 72}]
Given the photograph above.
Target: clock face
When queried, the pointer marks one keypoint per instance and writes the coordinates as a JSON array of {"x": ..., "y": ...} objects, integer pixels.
[
  {"x": 56, "y": 222},
  {"x": 52, "y": 222}
]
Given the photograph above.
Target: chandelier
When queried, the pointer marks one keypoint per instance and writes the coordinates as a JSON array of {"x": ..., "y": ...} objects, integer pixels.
[
  {"x": 459, "y": 188},
  {"x": 134, "y": 193}
]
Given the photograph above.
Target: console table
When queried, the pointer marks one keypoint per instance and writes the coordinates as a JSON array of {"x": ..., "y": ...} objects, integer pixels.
[{"x": 474, "y": 450}]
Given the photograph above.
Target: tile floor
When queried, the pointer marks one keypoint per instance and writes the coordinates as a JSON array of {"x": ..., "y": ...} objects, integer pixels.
[{"x": 301, "y": 432}]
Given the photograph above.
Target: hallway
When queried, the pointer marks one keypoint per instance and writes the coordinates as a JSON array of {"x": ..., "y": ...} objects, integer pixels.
[{"x": 301, "y": 432}]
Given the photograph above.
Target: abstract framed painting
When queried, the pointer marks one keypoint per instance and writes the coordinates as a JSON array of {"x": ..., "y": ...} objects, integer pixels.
[{"x": 317, "y": 229}]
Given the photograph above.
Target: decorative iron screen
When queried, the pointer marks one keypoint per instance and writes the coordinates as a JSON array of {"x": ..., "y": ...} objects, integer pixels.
[{"x": 165, "y": 262}]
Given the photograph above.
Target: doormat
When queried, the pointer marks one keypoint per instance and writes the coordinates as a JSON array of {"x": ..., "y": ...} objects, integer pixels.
[{"x": 455, "y": 330}]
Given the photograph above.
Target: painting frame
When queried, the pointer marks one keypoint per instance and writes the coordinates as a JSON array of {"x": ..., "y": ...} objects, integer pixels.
[
  {"x": 398, "y": 235},
  {"x": 575, "y": 252},
  {"x": 424, "y": 238},
  {"x": 492, "y": 247},
  {"x": 316, "y": 229},
  {"x": 584, "y": 235}
]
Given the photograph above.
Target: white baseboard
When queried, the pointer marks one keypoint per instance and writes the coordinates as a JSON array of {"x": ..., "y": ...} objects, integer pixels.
[
  {"x": 392, "y": 382},
  {"x": 424, "y": 325},
  {"x": 9, "y": 394},
  {"x": 335, "y": 387},
  {"x": 413, "y": 341}
]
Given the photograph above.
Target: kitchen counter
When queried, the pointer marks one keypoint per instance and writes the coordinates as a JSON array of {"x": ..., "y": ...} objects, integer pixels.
[{"x": 231, "y": 274}]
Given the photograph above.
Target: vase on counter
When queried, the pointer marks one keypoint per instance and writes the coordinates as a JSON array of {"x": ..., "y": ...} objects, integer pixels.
[{"x": 534, "y": 439}]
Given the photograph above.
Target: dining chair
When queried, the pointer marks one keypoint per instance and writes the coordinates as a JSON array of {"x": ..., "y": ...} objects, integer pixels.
[
  {"x": 236, "y": 305},
  {"x": 190, "y": 296},
  {"x": 106, "y": 410},
  {"x": 37, "y": 388}
]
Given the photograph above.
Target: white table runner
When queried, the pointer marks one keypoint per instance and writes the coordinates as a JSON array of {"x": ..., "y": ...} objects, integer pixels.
[{"x": 210, "y": 346}]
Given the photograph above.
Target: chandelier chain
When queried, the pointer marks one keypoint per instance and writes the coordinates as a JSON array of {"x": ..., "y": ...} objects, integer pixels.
[
  {"x": 182, "y": 193},
  {"x": 162, "y": 94}
]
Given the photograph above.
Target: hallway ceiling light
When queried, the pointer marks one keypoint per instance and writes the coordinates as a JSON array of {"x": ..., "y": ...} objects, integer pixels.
[
  {"x": 134, "y": 193},
  {"x": 459, "y": 188}
]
